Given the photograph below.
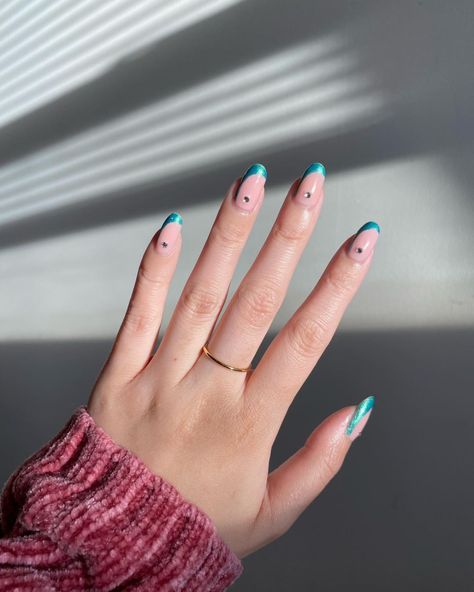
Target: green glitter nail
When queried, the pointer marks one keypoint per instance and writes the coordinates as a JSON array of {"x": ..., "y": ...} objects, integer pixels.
[
  {"x": 174, "y": 217},
  {"x": 362, "y": 409},
  {"x": 315, "y": 167}
]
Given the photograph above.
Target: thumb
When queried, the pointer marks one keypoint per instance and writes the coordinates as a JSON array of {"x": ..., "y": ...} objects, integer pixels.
[{"x": 293, "y": 485}]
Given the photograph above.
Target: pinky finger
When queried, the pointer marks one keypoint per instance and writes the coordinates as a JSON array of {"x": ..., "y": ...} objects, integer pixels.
[
  {"x": 138, "y": 332},
  {"x": 293, "y": 485}
]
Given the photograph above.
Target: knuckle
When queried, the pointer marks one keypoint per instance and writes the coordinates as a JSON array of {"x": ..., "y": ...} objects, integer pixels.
[
  {"x": 228, "y": 236},
  {"x": 291, "y": 234},
  {"x": 257, "y": 304},
  {"x": 339, "y": 282},
  {"x": 329, "y": 459},
  {"x": 138, "y": 320},
  {"x": 307, "y": 337},
  {"x": 200, "y": 301},
  {"x": 329, "y": 465},
  {"x": 150, "y": 281}
]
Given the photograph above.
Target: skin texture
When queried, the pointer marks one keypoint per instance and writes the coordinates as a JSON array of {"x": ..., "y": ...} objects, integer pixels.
[{"x": 206, "y": 429}]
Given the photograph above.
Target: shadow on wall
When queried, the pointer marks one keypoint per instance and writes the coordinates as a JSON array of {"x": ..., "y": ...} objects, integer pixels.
[
  {"x": 418, "y": 111},
  {"x": 405, "y": 490},
  {"x": 399, "y": 516}
]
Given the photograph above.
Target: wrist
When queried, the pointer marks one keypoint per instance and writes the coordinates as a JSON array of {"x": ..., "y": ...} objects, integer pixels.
[{"x": 116, "y": 520}]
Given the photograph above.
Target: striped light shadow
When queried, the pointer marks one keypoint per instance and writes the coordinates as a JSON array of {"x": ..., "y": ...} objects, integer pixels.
[
  {"x": 182, "y": 115},
  {"x": 28, "y": 23},
  {"x": 77, "y": 284},
  {"x": 44, "y": 36},
  {"x": 98, "y": 47},
  {"x": 313, "y": 113},
  {"x": 179, "y": 145},
  {"x": 309, "y": 124},
  {"x": 218, "y": 91},
  {"x": 158, "y": 161},
  {"x": 54, "y": 22},
  {"x": 302, "y": 76},
  {"x": 12, "y": 13}
]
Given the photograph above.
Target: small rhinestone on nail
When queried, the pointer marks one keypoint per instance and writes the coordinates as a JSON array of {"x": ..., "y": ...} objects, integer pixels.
[
  {"x": 246, "y": 198},
  {"x": 307, "y": 194},
  {"x": 164, "y": 244},
  {"x": 359, "y": 250}
]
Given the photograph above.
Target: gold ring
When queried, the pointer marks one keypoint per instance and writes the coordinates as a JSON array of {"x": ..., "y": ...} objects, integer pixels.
[{"x": 209, "y": 355}]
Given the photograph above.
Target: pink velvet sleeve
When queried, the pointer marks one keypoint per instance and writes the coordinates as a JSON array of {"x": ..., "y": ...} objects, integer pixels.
[{"x": 86, "y": 514}]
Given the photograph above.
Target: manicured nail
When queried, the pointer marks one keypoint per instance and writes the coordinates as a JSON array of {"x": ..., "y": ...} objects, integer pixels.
[
  {"x": 309, "y": 190},
  {"x": 168, "y": 234},
  {"x": 250, "y": 190},
  {"x": 364, "y": 242},
  {"x": 360, "y": 417}
]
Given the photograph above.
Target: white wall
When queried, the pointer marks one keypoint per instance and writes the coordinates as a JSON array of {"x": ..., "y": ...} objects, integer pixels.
[{"x": 371, "y": 89}]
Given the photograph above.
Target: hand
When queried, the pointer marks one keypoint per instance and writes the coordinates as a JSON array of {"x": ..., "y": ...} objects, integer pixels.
[{"x": 209, "y": 430}]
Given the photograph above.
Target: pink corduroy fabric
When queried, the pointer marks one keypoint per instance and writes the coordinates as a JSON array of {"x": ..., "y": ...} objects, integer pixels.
[{"x": 86, "y": 514}]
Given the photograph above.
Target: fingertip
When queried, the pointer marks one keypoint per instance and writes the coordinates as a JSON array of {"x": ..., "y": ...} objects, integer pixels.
[
  {"x": 168, "y": 236},
  {"x": 335, "y": 425},
  {"x": 363, "y": 242}
]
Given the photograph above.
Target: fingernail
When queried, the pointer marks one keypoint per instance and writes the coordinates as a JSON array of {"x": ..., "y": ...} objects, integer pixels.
[
  {"x": 360, "y": 417},
  {"x": 168, "y": 234},
  {"x": 250, "y": 189},
  {"x": 364, "y": 242},
  {"x": 309, "y": 190}
]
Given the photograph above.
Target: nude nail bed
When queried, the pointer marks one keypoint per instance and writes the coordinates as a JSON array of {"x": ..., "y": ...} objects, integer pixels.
[
  {"x": 168, "y": 234},
  {"x": 250, "y": 188},
  {"x": 364, "y": 242},
  {"x": 309, "y": 190}
]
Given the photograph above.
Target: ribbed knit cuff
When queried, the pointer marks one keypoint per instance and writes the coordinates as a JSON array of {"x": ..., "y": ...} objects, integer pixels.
[{"x": 100, "y": 519}]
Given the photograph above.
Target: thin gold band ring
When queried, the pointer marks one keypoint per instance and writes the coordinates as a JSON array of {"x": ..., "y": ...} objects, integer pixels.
[{"x": 212, "y": 357}]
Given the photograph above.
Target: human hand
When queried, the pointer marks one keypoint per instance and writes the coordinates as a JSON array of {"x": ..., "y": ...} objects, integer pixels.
[{"x": 209, "y": 430}]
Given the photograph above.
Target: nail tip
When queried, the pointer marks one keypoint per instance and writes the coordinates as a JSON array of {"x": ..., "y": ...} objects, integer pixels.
[
  {"x": 315, "y": 167},
  {"x": 173, "y": 217},
  {"x": 256, "y": 169},
  {"x": 362, "y": 409},
  {"x": 369, "y": 402},
  {"x": 369, "y": 226}
]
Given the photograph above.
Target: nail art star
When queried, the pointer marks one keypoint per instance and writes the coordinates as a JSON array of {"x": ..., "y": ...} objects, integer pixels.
[{"x": 164, "y": 244}]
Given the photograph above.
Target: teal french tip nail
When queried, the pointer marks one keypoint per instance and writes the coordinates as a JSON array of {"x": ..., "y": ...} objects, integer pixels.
[
  {"x": 255, "y": 169},
  {"x": 369, "y": 226},
  {"x": 174, "y": 217},
  {"x": 315, "y": 167},
  {"x": 361, "y": 410}
]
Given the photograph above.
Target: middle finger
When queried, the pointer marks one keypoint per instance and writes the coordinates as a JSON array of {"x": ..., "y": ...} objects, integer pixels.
[{"x": 256, "y": 301}]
